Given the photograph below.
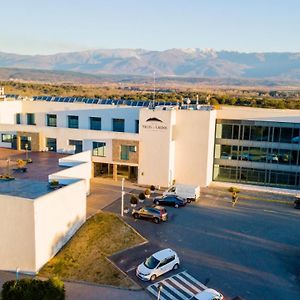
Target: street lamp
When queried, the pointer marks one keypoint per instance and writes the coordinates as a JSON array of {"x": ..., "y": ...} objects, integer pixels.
[
  {"x": 122, "y": 198},
  {"x": 26, "y": 149}
]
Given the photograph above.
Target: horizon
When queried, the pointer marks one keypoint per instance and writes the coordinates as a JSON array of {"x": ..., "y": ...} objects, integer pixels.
[{"x": 60, "y": 27}]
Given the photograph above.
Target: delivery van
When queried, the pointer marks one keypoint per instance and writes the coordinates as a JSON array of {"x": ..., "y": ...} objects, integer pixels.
[{"x": 190, "y": 192}]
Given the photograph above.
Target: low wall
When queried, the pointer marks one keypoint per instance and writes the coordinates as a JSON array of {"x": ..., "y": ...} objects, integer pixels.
[{"x": 79, "y": 166}]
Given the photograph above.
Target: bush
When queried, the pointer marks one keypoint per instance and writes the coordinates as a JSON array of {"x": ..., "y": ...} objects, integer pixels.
[
  {"x": 233, "y": 189},
  {"x": 33, "y": 289},
  {"x": 133, "y": 200},
  {"x": 147, "y": 192},
  {"x": 152, "y": 188},
  {"x": 54, "y": 183},
  {"x": 142, "y": 196}
]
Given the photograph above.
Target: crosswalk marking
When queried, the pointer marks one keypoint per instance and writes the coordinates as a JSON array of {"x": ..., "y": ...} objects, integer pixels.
[
  {"x": 181, "y": 286},
  {"x": 195, "y": 280}
]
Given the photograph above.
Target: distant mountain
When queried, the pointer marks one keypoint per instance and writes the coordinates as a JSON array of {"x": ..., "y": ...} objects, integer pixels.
[{"x": 173, "y": 62}]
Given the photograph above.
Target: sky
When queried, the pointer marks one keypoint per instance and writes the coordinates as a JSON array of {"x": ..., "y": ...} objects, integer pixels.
[{"x": 52, "y": 26}]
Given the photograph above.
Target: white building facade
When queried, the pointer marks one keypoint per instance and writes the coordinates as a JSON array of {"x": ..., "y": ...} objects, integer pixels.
[{"x": 163, "y": 145}]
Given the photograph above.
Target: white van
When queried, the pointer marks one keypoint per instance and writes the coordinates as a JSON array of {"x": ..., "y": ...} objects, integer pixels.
[{"x": 189, "y": 192}]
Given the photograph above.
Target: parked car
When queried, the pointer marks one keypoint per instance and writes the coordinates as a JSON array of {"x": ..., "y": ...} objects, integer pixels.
[
  {"x": 190, "y": 192},
  {"x": 158, "y": 264},
  {"x": 208, "y": 294},
  {"x": 170, "y": 200},
  {"x": 297, "y": 203},
  {"x": 155, "y": 213}
]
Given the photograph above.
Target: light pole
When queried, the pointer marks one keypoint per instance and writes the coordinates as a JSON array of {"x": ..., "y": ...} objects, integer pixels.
[
  {"x": 122, "y": 199},
  {"x": 159, "y": 288},
  {"x": 26, "y": 149},
  {"x": 17, "y": 273}
]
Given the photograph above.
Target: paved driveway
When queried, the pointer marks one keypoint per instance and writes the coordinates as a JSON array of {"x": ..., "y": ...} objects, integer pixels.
[{"x": 251, "y": 250}]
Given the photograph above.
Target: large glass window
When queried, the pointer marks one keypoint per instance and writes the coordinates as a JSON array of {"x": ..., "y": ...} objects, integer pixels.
[
  {"x": 99, "y": 149},
  {"x": 7, "y": 138},
  {"x": 77, "y": 144},
  {"x": 226, "y": 131},
  {"x": 51, "y": 144},
  {"x": 118, "y": 125},
  {"x": 125, "y": 151},
  {"x": 25, "y": 143},
  {"x": 30, "y": 119},
  {"x": 95, "y": 123},
  {"x": 73, "y": 122},
  {"x": 51, "y": 120},
  {"x": 137, "y": 124},
  {"x": 286, "y": 135}
]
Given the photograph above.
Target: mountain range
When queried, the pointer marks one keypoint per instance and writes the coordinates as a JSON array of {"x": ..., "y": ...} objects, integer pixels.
[{"x": 189, "y": 62}]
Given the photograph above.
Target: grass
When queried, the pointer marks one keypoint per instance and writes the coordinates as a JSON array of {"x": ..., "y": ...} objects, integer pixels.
[{"x": 84, "y": 257}]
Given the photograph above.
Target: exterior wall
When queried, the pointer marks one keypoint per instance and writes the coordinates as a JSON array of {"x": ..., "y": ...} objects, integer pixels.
[
  {"x": 194, "y": 138},
  {"x": 17, "y": 234},
  {"x": 58, "y": 215},
  {"x": 8, "y": 111},
  {"x": 116, "y": 148},
  {"x": 83, "y": 111},
  {"x": 80, "y": 167},
  {"x": 156, "y": 128},
  {"x": 263, "y": 114}
]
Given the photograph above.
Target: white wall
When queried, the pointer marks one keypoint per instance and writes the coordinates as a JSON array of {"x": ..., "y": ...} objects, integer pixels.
[
  {"x": 79, "y": 167},
  {"x": 155, "y": 165},
  {"x": 8, "y": 111},
  {"x": 17, "y": 234},
  {"x": 84, "y": 112},
  {"x": 58, "y": 215},
  {"x": 194, "y": 138}
]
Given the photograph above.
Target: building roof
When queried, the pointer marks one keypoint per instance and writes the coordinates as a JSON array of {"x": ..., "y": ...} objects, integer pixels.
[{"x": 24, "y": 188}]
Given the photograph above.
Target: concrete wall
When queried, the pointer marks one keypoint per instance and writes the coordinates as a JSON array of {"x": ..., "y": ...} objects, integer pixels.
[
  {"x": 8, "y": 111},
  {"x": 58, "y": 215},
  {"x": 83, "y": 111},
  {"x": 156, "y": 149},
  {"x": 79, "y": 167},
  {"x": 17, "y": 234},
  {"x": 194, "y": 138}
]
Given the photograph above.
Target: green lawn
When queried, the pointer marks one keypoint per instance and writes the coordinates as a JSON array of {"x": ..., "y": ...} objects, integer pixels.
[{"x": 84, "y": 256}]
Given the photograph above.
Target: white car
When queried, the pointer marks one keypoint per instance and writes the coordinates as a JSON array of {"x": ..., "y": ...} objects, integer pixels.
[
  {"x": 208, "y": 294},
  {"x": 158, "y": 264}
]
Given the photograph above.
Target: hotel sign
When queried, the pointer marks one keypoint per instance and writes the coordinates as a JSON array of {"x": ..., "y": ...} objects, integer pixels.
[{"x": 154, "y": 124}]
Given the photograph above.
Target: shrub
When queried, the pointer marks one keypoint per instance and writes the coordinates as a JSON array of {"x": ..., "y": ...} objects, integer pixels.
[
  {"x": 233, "y": 189},
  {"x": 52, "y": 289},
  {"x": 133, "y": 200},
  {"x": 152, "y": 188},
  {"x": 54, "y": 183},
  {"x": 142, "y": 196},
  {"x": 147, "y": 192}
]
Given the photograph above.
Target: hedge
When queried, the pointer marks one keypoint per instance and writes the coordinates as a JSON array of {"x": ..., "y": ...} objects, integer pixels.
[{"x": 33, "y": 289}]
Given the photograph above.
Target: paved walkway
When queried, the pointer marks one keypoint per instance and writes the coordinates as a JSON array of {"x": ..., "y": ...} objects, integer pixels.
[{"x": 81, "y": 291}]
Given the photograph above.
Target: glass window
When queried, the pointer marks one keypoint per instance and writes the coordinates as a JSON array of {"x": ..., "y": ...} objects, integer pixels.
[
  {"x": 137, "y": 124},
  {"x": 51, "y": 120},
  {"x": 73, "y": 122},
  {"x": 77, "y": 144},
  {"x": 95, "y": 123},
  {"x": 18, "y": 118},
  {"x": 246, "y": 135},
  {"x": 118, "y": 125},
  {"x": 236, "y": 132},
  {"x": 30, "y": 119},
  {"x": 51, "y": 144},
  {"x": 99, "y": 149},
  {"x": 265, "y": 133},
  {"x": 296, "y": 136},
  {"x": 286, "y": 135},
  {"x": 276, "y": 134},
  {"x": 284, "y": 156},
  {"x": 256, "y": 133},
  {"x": 25, "y": 142},
  {"x": 235, "y": 152},
  {"x": 125, "y": 149},
  {"x": 226, "y": 131},
  {"x": 7, "y": 138},
  {"x": 225, "y": 152}
]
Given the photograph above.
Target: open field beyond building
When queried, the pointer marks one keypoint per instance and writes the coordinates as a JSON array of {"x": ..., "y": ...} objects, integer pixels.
[{"x": 84, "y": 258}]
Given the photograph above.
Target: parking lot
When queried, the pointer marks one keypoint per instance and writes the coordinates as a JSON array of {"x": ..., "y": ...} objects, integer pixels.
[{"x": 251, "y": 250}]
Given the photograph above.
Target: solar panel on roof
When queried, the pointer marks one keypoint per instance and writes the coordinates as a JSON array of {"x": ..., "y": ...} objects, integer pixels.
[
  {"x": 89, "y": 101},
  {"x": 72, "y": 100},
  {"x": 140, "y": 103},
  {"x": 95, "y": 101},
  {"x": 109, "y": 101}
]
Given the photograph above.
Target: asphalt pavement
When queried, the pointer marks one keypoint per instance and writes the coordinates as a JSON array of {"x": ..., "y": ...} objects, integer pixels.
[{"x": 251, "y": 250}]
